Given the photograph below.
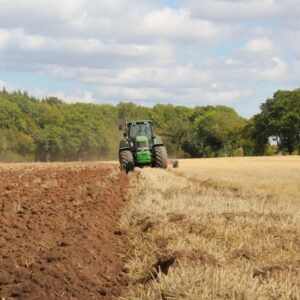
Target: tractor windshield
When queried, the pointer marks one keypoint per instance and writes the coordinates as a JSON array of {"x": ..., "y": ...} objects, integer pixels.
[{"x": 140, "y": 130}]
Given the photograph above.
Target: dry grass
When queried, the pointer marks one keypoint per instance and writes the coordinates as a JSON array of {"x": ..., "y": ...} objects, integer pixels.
[{"x": 215, "y": 229}]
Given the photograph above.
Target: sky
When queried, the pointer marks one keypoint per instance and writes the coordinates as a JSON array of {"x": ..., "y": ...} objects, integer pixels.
[{"x": 184, "y": 52}]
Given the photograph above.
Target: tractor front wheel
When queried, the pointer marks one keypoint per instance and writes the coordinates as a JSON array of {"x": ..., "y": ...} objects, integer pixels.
[
  {"x": 160, "y": 157},
  {"x": 126, "y": 161}
]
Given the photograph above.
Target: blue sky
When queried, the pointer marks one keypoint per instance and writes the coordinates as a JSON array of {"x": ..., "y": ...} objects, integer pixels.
[
  {"x": 185, "y": 52},
  {"x": 171, "y": 3}
]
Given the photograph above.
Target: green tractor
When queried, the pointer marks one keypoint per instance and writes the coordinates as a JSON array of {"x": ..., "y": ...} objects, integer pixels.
[{"x": 140, "y": 147}]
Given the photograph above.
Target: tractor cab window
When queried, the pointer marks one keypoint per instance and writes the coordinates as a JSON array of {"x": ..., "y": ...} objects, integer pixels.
[{"x": 140, "y": 130}]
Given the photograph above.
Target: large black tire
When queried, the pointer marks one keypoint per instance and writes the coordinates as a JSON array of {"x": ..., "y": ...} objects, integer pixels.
[
  {"x": 160, "y": 157},
  {"x": 126, "y": 161}
]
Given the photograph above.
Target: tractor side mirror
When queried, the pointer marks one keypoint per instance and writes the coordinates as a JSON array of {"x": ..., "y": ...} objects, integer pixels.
[{"x": 120, "y": 127}]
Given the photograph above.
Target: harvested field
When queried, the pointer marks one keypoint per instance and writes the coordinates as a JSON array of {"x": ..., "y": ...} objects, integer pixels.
[
  {"x": 225, "y": 228},
  {"x": 59, "y": 231}
]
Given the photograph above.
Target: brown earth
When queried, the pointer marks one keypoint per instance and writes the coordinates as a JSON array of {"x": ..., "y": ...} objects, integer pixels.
[{"x": 59, "y": 235}]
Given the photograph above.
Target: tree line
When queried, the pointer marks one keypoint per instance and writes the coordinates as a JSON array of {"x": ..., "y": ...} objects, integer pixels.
[{"x": 52, "y": 130}]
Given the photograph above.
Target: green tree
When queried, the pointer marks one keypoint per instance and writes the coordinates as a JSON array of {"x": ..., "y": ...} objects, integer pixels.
[
  {"x": 49, "y": 143},
  {"x": 216, "y": 131},
  {"x": 279, "y": 119},
  {"x": 172, "y": 123}
]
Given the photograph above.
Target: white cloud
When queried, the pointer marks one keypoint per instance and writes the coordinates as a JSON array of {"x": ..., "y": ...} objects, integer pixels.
[
  {"x": 260, "y": 45},
  {"x": 186, "y": 96},
  {"x": 291, "y": 41},
  {"x": 4, "y": 38},
  {"x": 46, "y": 10},
  {"x": 233, "y": 10},
  {"x": 231, "y": 61},
  {"x": 82, "y": 96},
  {"x": 278, "y": 71},
  {"x": 121, "y": 93},
  {"x": 226, "y": 97},
  {"x": 159, "y": 77},
  {"x": 172, "y": 23},
  {"x": 19, "y": 39},
  {"x": 75, "y": 96}
]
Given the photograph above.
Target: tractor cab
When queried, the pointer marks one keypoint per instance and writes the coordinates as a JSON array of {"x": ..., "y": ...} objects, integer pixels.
[{"x": 140, "y": 128}]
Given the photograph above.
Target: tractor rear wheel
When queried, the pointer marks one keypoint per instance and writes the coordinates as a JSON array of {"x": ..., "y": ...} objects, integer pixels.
[
  {"x": 126, "y": 161},
  {"x": 160, "y": 157}
]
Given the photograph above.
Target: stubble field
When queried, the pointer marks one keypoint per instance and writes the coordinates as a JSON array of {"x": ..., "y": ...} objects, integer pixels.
[{"x": 225, "y": 228}]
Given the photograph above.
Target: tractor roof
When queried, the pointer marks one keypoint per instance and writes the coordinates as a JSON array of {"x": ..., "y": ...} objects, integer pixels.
[{"x": 140, "y": 122}]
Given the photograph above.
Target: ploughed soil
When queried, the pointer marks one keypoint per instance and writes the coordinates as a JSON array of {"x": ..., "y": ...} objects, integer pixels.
[{"x": 59, "y": 234}]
